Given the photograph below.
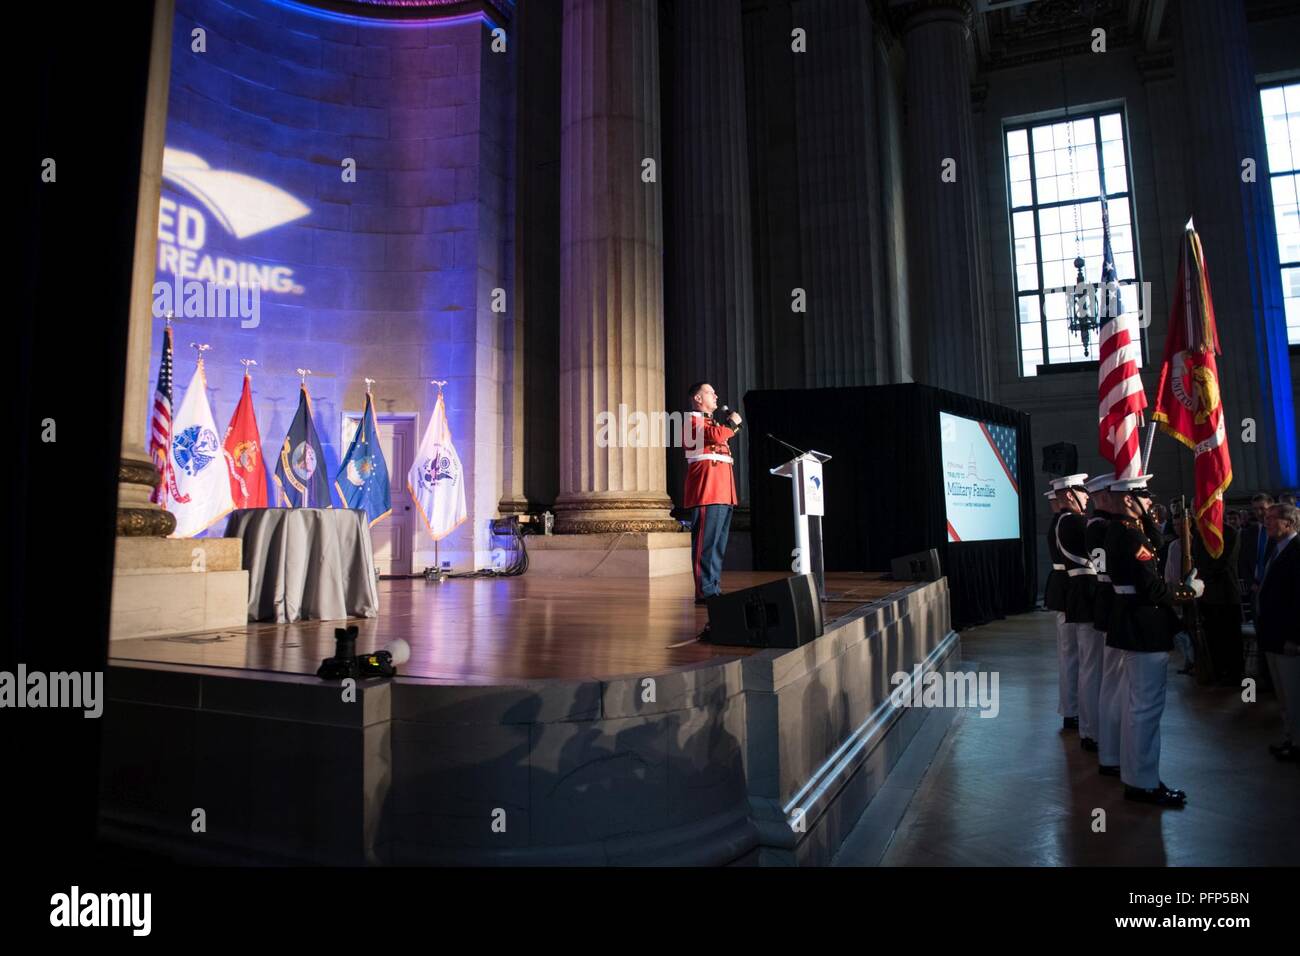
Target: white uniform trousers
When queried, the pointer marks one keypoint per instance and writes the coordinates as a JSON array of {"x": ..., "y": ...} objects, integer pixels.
[
  {"x": 1145, "y": 677},
  {"x": 1067, "y": 659},
  {"x": 1091, "y": 643},
  {"x": 1111, "y": 700}
]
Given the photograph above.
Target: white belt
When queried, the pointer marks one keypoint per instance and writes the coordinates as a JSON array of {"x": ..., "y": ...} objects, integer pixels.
[
  {"x": 708, "y": 456},
  {"x": 1075, "y": 572},
  {"x": 1058, "y": 567},
  {"x": 1125, "y": 589},
  {"x": 1104, "y": 577}
]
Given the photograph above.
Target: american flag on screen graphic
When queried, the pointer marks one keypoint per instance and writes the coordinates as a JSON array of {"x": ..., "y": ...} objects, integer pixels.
[
  {"x": 160, "y": 424},
  {"x": 1120, "y": 396},
  {"x": 1002, "y": 439}
]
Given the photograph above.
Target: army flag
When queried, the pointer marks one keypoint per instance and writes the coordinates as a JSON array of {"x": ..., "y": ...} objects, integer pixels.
[
  {"x": 198, "y": 483},
  {"x": 244, "y": 453},
  {"x": 1188, "y": 403},
  {"x": 362, "y": 481},
  {"x": 160, "y": 422},
  {"x": 300, "y": 472},
  {"x": 436, "y": 481}
]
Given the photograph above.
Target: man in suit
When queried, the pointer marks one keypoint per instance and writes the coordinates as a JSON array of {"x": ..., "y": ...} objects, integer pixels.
[
  {"x": 1256, "y": 546},
  {"x": 1277, "y": 617},
  {"x": 1220, "y": 606}
]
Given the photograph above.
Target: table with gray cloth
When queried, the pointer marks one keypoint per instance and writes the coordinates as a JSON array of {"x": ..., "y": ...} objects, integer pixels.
[{"x": 306, "y": 563}]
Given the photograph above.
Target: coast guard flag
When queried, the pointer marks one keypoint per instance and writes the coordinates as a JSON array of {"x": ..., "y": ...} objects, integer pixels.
[
  {"x": 300, "y": 472},
  {"x": 362, "y": 481},
  {"x": 244, "y": 450},
  {"x": 436, "y": 481},
  {"x": 197, "y": 471}
]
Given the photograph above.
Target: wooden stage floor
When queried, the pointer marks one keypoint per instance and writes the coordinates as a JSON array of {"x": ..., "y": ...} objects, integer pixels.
[{"x": 486, "y": 631}]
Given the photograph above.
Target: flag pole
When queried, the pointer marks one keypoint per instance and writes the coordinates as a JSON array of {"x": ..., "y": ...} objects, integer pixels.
[
  {"x": 306, "y": 495},
  {"x": 437, "y": 559}
]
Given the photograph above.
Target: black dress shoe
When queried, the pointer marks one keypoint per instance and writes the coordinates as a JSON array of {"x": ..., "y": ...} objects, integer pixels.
[
  {"x": 1108, "y": 769},
  {"x": 1161, "y": 796},
  {"x": 1285, "y": 751},
  {"x": 1088, "y": 744},
  {"x": 1071, "y": 723}
]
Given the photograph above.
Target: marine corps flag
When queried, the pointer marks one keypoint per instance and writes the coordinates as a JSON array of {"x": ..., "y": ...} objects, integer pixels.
[
  {"x": 362, "y": 481},
  {"x": 300, "y": 472},
  {"x": 1188, "y": 404},
  {"x": 436, "y": 480},
  {"x": 199, "y": 489},
  {"x": 244, "y": 453}
]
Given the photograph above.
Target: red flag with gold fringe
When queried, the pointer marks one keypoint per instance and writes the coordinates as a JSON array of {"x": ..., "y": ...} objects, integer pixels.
[
  {"x": 1189, "y": 405},
  {"x": 244, "y": 453}
]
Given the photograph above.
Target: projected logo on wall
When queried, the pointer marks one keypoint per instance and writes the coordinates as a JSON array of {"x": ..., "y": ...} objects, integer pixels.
[{"x": 242, "y": 205}]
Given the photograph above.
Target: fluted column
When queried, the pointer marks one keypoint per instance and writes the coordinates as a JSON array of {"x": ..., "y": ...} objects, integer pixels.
[
  {"x": 950, "y": 347},
  {"x": 846, "y": 339},
  {"x": 1224, "y": 127},
  {"x": 709, "y": 326},
  {"x": 611, "y": 267},
  {"x": 137, "y": 474}
]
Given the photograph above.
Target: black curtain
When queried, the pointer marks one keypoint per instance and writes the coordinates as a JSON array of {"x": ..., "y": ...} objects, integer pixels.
[
  {"x": 884, "y": 488},
  {"x": 79, "y": 100}
]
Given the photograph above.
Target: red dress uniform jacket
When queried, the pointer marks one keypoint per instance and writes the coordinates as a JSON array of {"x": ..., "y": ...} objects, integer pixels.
[{"x": 709, "y": 476}]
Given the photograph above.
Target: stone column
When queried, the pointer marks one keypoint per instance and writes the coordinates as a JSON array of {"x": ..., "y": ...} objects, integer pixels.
[
  {"x": 611, "y": 267},
  {"x": 845, "y": 327},
  {"x": 1223, "y": 127},
  {"x": 709, "y": 326},
  {"x": 950, "y": 347},
  {"x": 137, "y": 475}
]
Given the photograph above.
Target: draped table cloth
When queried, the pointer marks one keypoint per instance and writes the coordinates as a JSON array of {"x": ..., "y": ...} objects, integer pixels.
[{"x": 306, "y": 563}]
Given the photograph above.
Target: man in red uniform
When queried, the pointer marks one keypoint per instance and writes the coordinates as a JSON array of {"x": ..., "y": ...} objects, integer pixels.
[{"x": 710, "y": 487}]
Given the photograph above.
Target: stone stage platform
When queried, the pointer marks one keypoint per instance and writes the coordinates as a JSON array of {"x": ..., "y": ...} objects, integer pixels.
[{"x": 538, "y": 721}]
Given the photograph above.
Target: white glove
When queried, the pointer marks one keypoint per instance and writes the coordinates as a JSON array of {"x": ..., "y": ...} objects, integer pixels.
[{"x": 1195, "y": 583}]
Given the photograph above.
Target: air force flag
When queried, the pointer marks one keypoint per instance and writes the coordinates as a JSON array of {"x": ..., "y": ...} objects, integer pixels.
[
  {"x": 362, "y": 481},
  {"x": 300, "y": 470},
  {"x": 198, "y": 473},
  {"x": 436, "y": 481}
]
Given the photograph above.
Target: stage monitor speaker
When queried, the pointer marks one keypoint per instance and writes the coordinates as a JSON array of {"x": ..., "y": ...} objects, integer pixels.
[
  {"x": 921, "y": 566},
  {"x": 1060, "y": 459},
  {"x": 785, "y": 613}
]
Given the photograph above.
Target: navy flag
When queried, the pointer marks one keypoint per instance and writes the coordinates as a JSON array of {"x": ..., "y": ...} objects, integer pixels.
[
  {"x": 362, "y": 481},
  {"x": 300, "y": 471}
]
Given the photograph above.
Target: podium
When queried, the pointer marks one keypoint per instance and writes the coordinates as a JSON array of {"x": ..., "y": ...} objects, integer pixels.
[{"x": 807, "y": 495}]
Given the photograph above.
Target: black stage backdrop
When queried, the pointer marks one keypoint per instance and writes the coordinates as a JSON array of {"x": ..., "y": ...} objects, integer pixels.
[{"x": 884, "y": 488}]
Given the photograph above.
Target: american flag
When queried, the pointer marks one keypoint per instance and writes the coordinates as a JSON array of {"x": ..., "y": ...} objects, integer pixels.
[
  {"x": 1003, "y": 440},
  {"x": 160, "y": 427},
  {"x": 1120, "y": 396}
]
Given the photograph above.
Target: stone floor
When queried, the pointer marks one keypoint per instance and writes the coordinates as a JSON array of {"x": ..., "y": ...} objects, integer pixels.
[{"x": 1014, "y": 790}]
